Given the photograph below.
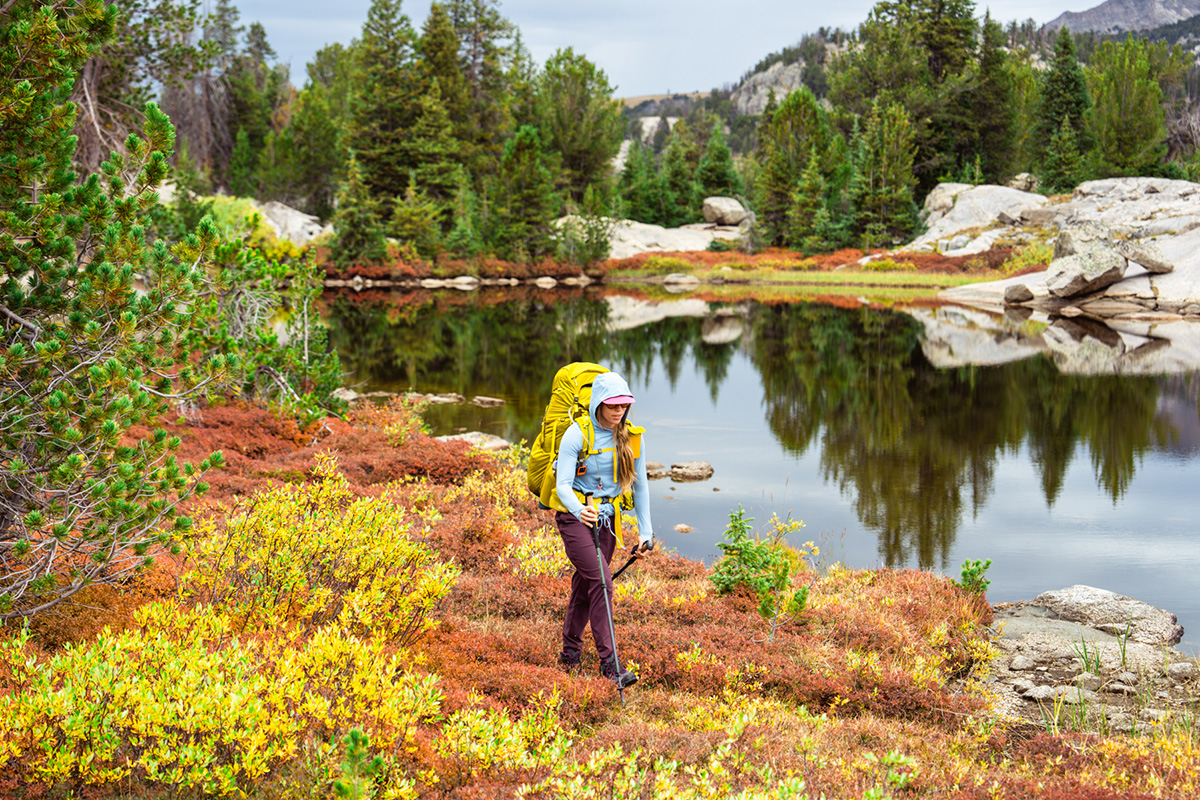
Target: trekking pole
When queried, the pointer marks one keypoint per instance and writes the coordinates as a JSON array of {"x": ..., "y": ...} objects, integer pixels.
[
  {"x": 612, "y": 631},
  {"x": 634, "y": 554}
]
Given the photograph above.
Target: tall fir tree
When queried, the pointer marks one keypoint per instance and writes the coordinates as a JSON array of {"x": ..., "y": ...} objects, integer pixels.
[
  {"x": 994, "y": 110},
  {"x": 1127, "y": 120},
  {"x": 431, "y": 149},
  {"x": 357, "y": 225},
  {"x": 439, "y": 48},
  {"x": 243, "y": 166},
  {"x": 715, "y": 174},
  {"x": 523, "y": 199},
  {"x": 882, "y": 191},
  {"x": 797, "y": 126},
  {"x": 1063, "y": 92},
  {"x": 579, "y": 118},
  {"x": 385, "y": 100},
  {"x": 416, "y": 222},
  {"x": 681, "y": 196},
  {"x": 485, "y": 52},
  {"x": 1062, "y": 167}
]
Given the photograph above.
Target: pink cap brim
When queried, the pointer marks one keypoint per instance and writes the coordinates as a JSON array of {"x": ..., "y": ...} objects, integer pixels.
[{"x": 619, "y": 400}]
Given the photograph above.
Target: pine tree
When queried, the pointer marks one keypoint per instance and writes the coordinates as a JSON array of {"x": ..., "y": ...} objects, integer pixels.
[
  {"x": 807, "y": 201},
  {"x": 994, "y": 111},
  {"x": 439, "y": 47},
  {"x": 465, "y": 237},
  {"x": 1062, "y": 167},
  {"x": 641, "y": 189},
  {"x": 242, "y": 166},
  {"x": 319, "y": 165},
  {"x": 385, "y": 101},
  {"x": 416, "y": 221},
  {"x": 681, "y": 196},
  {"x": 86, "y": 354},
  {"x": 1127, "y": 122},
  {"x": 579, "y": 118},
  {"x": 1064, "y": 92},
  {"x": 716, "y": 174},
  {"x": 358, "y": 232},
  {"x": 431, "y": 148},
  {"x": 797, "y": 126},
  {"x": 524, "y": 199},
  {"x": 883, "y": 189}
]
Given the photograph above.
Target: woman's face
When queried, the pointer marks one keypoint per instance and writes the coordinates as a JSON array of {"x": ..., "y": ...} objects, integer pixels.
[{"x": 610, "y": 415}]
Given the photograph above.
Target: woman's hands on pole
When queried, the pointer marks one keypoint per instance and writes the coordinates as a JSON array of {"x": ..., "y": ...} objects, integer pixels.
[{"x": 589, "y": 515}]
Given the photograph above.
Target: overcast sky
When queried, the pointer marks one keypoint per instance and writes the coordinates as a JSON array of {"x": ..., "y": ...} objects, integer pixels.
[{"x": 645, "y": 46}]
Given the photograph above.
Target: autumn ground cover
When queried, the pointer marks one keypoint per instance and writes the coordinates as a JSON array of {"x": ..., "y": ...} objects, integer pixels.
[{"x": 365, "y": 609}]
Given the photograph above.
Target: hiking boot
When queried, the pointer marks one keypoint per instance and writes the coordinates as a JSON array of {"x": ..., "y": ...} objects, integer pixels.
[
  {"x": 623, "y": 678},
  {"x": 569, "y": 659}
]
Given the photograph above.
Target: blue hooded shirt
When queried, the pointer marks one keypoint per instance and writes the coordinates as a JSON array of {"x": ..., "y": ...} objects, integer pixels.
[{"x": 599, "y": 478}]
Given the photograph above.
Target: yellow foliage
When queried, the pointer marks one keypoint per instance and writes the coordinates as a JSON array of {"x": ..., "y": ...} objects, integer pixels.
[
  {"x": 297, "y": 557},
  {"x": 540, "y": 553},
  {"x": 181, "y": 700}
]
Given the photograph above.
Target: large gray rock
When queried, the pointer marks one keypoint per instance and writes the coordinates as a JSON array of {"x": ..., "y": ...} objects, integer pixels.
[
  {"x": 691, "y": 471},
  {"x": 723, "y": 211},
  {"x": 1095, "y": 267},
  {"x": 970, "y": 207},
  {"x": 1145, "y": 254},
  {"x": 629, "y": 238},
  {"x": 290, "y": 224},
  {"x": 1077, "y": 237},
  {"x": 1113, "y": 613}
]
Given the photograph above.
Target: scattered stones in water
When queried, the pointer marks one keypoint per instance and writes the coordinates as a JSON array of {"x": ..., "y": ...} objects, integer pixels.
[
  {"x": 483, "y": 441},
  {"x": 687, "y": 471},
  {"x": 486, "y": 402},
  {"x": 682, "y": 528}
]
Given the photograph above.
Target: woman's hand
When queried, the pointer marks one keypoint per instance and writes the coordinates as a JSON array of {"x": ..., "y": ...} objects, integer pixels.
[{"x": 589, "y": 515}]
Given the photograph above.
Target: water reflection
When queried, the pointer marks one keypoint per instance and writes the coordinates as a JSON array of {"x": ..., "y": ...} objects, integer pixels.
[{"x": 913, "y": 445}]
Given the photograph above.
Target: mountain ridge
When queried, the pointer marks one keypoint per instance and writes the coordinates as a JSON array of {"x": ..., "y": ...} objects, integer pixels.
[{"x": 1118, "y": 16}]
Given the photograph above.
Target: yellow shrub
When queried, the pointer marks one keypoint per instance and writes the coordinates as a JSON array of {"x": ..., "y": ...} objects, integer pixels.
[
  {"x": 539, "y": 553},
  {"x": 181, "y": 701},
  {"x": 297, "y": 557}
]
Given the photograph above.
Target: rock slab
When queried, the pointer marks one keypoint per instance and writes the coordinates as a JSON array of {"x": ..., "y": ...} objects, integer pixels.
[
  {"x": 1113, "y": 613},
  {"x": 723, "y": 211}
]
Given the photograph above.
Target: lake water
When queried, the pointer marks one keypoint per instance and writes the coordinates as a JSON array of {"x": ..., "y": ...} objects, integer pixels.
[{"x": 841, "y": 417}]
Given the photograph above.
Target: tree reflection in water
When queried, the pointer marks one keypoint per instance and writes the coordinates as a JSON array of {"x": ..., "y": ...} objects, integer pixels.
[{"x": 913, "y": 446}]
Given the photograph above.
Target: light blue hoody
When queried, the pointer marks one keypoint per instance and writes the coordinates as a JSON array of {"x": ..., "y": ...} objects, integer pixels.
[{"x": 598, "y": 478}]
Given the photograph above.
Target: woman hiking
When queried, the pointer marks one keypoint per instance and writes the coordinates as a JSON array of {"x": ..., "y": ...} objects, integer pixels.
[{"x": 595, "y": 484}]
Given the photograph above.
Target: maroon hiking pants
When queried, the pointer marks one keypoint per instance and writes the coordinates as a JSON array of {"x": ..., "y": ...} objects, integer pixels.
[{"x": 588, "y": 585}]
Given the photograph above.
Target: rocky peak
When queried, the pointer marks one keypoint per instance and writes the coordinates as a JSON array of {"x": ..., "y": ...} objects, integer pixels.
[{"x": 1115, "y": 16}]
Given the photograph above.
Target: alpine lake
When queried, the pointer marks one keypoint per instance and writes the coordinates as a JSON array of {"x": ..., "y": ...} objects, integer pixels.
[{"x": 905, "y": 437}]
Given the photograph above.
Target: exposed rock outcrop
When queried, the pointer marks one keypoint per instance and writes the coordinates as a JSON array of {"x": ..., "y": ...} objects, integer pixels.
[
  {"x": 1091, "y": 654},
  {"x": 751, "y": 96},
  {"x": 1121, "y": 16},
  {"x": 288, "y": 223}
]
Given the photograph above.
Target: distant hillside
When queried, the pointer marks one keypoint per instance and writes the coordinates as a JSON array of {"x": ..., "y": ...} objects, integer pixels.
[
  {"x": 1117, "y": 16},
  {"x": 1184, "y": 32}
]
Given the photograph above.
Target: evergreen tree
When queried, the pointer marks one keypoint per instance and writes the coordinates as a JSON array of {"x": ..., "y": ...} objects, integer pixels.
[
  {"x": 1062, "y": 167},
  {"x": 798, "y": 126},
  {"x": 431, "y": 148},
  {"x": 416, "y": 222},
  {"x": 681, "y": 197},
  {"x": 807, "y": 201},
  {"x": 915, "y": 53},
  {"x": 524, "y": 199},
  {"x": 715, "y": 174},
  {"x": 358, "y": 232},
  {"x": 465, "y": 237},
  {"x": 1026, "y": 85},
  {"x": 995, "y": 114},
  {"x": 242, "y": 166},
  {"x": 1127, "y": 122},
  {"x": 642, "y": 191},
  {"x": 318, "y": 160},
  {"x": 86, "y": 353},
  {"x": 485, "y": 55},
  {"x": 439, "y": 47},
  {"x": 1063, "y": 92},
  {"x": 882, "y": 191},
  {"x": 579, "y": 118},
  {"x": 385, "y": 101}
]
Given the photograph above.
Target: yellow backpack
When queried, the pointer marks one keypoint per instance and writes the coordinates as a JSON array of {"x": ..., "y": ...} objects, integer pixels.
[{"x": 570, "y": 396}]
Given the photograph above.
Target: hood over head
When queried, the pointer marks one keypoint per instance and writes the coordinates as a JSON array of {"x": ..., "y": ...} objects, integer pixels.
[{"x": 606, "y": 385}]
